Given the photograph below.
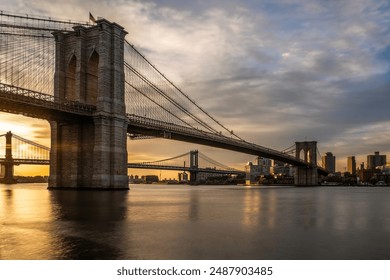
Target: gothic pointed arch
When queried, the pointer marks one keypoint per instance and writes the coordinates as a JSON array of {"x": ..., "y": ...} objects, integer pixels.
[
  {"x": 92, "y": 78},
  {"x": 302, "y": 154}
]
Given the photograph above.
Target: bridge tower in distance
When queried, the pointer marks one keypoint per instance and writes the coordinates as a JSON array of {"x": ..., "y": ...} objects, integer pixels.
[
  {"x": 90, "y": 153},
  {"x": 194, "y": 165},
  {"x": 306, "y": 176},
  {"x": 9, "y": 162}
]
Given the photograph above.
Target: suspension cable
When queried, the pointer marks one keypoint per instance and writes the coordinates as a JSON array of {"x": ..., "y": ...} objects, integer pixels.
[
  {"x": 167, "y": 159},
  {"x": 183, "y": 94},
  {"x": 30, "y": 142},
  {"x": 210, "y": 160},
  {"x": 171, "y": 100}
]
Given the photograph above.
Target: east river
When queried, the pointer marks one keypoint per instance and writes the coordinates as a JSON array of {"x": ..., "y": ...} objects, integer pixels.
[{"x": 195, "y": 222}]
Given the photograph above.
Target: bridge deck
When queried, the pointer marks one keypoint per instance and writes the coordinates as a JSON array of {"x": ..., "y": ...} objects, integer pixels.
[{"x": 39, "y": 105}]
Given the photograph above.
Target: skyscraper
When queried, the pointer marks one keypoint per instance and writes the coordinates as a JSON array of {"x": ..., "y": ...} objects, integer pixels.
[
  {"x": 329, "y": 162},
  {"x": 351, "y": 165},
  {"x": 375, "y": 160}
]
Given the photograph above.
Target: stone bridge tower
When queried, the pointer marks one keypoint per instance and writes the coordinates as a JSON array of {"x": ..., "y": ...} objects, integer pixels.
[
  {"x": 90, "y": 153},
  {"x": 306, "y": 176}
]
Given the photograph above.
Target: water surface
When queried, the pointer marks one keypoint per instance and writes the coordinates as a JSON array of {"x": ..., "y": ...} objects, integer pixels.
[{"x": 195, "y": 222}]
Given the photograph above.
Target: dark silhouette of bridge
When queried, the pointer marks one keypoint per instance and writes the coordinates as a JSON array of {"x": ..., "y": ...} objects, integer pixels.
[
  {"x": 95, "y": 88},
  {"x": 193, "y": 162},
  {"x": 17, "y": 151}
]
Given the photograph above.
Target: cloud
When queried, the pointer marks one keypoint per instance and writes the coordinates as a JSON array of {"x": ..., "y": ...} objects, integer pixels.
[{"x": 273, "y": 71}]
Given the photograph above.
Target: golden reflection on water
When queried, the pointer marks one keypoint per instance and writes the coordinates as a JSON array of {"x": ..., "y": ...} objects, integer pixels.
[
  {"x": 153, "y": 205},
  {"x": 194, "y": 222},
  {"x": 272, "y": 208},
  {"x": 251, "y": 210},
  {"x": 256, "y": 202},
  {"x": 28, "y": 226}
]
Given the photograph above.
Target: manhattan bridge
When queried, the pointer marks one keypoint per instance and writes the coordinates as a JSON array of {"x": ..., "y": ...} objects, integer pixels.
[{"x": 96, "y": 90}]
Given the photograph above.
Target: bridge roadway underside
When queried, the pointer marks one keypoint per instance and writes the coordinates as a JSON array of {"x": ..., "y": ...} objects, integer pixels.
[
  {"x": 234, "y": 146},
  {"x": 16, "y": 100},
  {"x": 36, "y": 111}
]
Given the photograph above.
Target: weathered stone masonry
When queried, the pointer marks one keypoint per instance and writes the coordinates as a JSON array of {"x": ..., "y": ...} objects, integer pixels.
[{"x": 90, "y": 153}]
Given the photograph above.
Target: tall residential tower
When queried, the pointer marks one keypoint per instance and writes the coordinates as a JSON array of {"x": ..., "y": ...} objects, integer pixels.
[
  {"x": 375, "y": 160},
  {"x": 329, "y": 162},
  {"x": 351, "y": 165}
]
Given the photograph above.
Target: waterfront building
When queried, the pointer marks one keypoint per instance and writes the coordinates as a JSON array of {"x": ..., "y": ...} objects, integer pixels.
[
  {"x": 281, "y": 169},
  {"x": 375, "y": 160},
  {"x": 183, "y": 177},
  {"x": 252, "y": 173},
  {"x": 261, "y": 167},
  {"x": 264, "y": 165},
  {"x": 205, "y": 177},
  {"x": 365, "y": 175},
  {"x": 382, "y": 176},
  {"x": 277, "y": 163},
  {"x": 384, "y": 169},
  {"x": 149, "y": 179},
  {"x": 329, "y": 162},
  {"x": 351, "y": 165}
]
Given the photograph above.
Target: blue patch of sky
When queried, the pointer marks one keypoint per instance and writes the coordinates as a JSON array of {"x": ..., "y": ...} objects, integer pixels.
[
  {"x": 384, "y": 55},
  {"x": 354, "y": 87}
]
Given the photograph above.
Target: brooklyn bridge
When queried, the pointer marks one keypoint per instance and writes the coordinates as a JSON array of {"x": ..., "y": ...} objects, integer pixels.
[{"x": 96, "y": 90}]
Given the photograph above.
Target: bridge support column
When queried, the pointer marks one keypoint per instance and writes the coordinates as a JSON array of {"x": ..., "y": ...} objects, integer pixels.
[
  {"x": 91, "y": 153},
  {"x": 193, "y": 177},
  {"x": 306, "y": 176},
  {"x": 194, "y": 165},
  {"x": 8, "y": 173},
  {"x": 110, "y": 153},
  {"x": 9, "y": 162}
]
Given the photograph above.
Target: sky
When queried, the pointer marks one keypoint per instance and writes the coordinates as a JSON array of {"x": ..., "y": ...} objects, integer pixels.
[{"x": 273, "y": 71}]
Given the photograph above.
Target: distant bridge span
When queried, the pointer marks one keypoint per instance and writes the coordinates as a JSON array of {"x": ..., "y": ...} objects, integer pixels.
[{"x": 183, "y": 168}]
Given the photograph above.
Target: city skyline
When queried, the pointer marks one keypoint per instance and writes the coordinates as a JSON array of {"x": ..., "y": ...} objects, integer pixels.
[
  {"x": 274, "y": 73},
  {"x": 327, "y": 162}
]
